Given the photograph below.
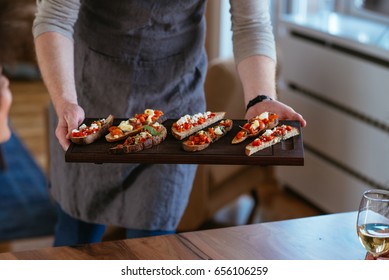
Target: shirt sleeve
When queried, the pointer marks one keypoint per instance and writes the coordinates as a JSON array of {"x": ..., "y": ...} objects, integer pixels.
[
  {"x": 252, "y": 29},
  {"x": 56, "y": 16}
]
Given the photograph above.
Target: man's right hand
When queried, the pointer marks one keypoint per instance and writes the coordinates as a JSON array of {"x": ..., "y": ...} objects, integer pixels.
[{"x": 70, "y": 116}]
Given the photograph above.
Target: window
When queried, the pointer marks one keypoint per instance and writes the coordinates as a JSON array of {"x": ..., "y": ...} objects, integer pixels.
[
  {"x": 225, "y": 46},
  {"x": 376, "y": 10},
  {"x": 364, "y": 22},
  {"x": 371, "y": 9}
]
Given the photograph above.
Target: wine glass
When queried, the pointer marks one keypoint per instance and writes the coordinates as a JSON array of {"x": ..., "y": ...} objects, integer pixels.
[{"x": 373, "y": 222}]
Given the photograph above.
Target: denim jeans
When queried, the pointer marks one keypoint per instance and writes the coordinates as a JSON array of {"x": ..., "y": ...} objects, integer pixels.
[{"x": 70, "y": 231}]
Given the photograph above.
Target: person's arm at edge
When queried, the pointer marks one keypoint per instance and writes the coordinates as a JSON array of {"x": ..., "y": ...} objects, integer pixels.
[
  {"x": 257, "y": 74},
  {"x": 53, "y": 30},
  {"x": 255, "y": 56},
  {"x": 55, "y": 58}
]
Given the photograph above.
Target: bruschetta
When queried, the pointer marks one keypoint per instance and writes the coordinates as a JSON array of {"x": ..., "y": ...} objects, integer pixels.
[
  {"x": 149, "y": 136},
  {"x": 203, "y": 138},
  {"x": 87, "y": 134},
  {"x": 271, "y": 137},
  {"x": 255, "y": 126},
  {"x": 187, "y": 125},
  {"x": 133, "y": 125}
]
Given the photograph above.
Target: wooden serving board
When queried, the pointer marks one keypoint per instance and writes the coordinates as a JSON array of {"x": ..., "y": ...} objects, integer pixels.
[{"x": 289, "y": 152}]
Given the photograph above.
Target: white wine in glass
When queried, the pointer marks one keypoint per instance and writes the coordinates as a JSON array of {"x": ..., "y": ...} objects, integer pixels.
[{"x": 373, "y": 222}]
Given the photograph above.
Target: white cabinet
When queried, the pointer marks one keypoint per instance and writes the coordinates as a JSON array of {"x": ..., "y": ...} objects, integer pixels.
[{"x": 343, "y": 92}]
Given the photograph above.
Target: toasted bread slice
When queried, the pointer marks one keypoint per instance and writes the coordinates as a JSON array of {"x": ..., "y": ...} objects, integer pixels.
[
  {"x": 202, "y": 139},
  {"x": 180, "y": 132},
  {"x": 192, "y": 145},
  {"x": 255, "y": 126},
  {"x": 149, "y": 137},
  {"x": 133, "y": 126},
  {"x": 122, "y": 136},
  {"x": 88, "y": 134},
  {"x": 270, "y": 138}
]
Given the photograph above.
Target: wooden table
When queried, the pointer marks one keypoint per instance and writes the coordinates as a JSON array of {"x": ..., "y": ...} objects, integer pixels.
[{"x": 326, "y": 237}]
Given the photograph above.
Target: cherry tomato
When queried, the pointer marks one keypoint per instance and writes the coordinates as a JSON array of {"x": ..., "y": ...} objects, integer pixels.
[
  {"x": 257, "y": 142},
  {"x": 240, "y": 134}
]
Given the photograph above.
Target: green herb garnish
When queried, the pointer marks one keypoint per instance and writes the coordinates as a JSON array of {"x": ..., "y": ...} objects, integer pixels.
[{"x": 151, "y": 130}]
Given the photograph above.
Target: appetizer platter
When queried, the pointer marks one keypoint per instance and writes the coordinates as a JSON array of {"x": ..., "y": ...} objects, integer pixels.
[{"x": 203, "y": 138}]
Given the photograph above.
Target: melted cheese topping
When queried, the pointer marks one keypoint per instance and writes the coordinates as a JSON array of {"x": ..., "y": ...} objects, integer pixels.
[
  {"x": 219, "y": 130},
  {"x": 125, "y": 126},
  {"x": 268, "y": 132},
  {"x": 255, "y": 124},
  {"x": 150, "y": 114},
  {"x": 264, "y": 115},
  {"x": 193, "y": 119}
]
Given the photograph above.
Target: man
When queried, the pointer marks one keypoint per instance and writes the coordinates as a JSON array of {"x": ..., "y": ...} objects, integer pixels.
[
  {"x": 99, "y": 57},
  {"x": 7, "y": 54},
  {"x": 5, "y": 104}
]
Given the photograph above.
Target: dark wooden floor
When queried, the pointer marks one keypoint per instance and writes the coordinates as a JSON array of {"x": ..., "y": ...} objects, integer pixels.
[{"x": 29, "y": 120}]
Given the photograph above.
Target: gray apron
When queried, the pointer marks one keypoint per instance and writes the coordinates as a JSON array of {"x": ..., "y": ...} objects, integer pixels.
[{"x": 129, "y": 56}]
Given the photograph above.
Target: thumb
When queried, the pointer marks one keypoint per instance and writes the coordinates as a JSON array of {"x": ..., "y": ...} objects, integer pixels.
[
  {"x": 69, "y": 119},
  {"x": 73, "y": 118},
  {"x": 73, "y": 122}
]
